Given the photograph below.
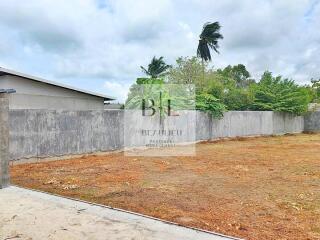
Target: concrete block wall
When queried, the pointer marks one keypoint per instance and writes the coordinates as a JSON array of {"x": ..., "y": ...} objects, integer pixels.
[
  {"x": 44, "y": 133},
  {"x": 287, "y": 123},
  {"x": 312, "y": 122},
  {"x": 247, "y": 123},
  {"x": 243, "y": 123},
  {"x": 50, "y": 133}
]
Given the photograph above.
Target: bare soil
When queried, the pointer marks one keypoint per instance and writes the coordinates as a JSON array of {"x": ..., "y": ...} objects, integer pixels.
[{"x": 254, "y": 188}]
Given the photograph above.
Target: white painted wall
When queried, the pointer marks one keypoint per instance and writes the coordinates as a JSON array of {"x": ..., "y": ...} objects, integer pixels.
[{"x": 37, "y": 95}]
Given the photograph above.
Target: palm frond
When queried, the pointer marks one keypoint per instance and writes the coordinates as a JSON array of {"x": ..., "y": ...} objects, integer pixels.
[
  {"x": 209, "y": 38},
  {"x": 156, "y": 68},
  {"x": 203, "y": 50}
]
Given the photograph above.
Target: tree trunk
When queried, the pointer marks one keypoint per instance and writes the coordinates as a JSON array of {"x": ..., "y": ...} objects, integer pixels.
[{"x": 203, "y": 73}]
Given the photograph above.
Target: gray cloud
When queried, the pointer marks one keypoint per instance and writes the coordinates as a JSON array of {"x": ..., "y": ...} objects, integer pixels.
[
  {"x": 37, "y": 25},
  {"x": 110, "y": 39}
]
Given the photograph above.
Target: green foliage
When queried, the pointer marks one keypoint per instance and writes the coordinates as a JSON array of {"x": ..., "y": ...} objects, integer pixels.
[
  {"x": 140, "y": 81},
  {"x": 280, "y": 95},
  {"x": 232, "y": 88},
  {"x": 315, "y": 90},
  {"x": 146, "y": 89},
  {"x": 225, "y": 84},
  {"x": 238, "y": 99},
  {"x": 157, "y": 68},
  {"x": 132, "y": 100},
  {"x": 208, "y": 103},
  {"x": 239, "y": 74},
  {"x": 186, "y": 71},
  {"x": 192, "y": 71},
  {"x": 209, "y": 38}
]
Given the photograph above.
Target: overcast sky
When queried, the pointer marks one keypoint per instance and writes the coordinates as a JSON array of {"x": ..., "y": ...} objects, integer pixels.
[{"x": 100, "y": 44}]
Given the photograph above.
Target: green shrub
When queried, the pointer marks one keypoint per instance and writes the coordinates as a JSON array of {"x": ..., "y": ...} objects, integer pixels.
[
  {"x": 280, "y": 95},
  {"x": 208, "y": 103}
]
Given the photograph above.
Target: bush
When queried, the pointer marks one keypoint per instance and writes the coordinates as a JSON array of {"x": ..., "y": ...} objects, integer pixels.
[
  {"x": 208, "y": 103},
  {"x": 280, "y": 95},
  {"x": 238, "y": 99}
]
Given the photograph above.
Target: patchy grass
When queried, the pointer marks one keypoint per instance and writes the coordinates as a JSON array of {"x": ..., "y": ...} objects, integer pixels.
[{"x": 256, "y": 188}]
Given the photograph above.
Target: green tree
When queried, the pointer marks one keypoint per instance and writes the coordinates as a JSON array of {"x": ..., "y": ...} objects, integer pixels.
[
  {"x": 135, "y": 90},
  {"x": 221, "y": 84},
  {"x": 239, "y": 73},
  {"x": 236, "y": 94},
  {"x": 280, "y": 95},
  {"x": 156, "y": 68},
  {"x": 186, "y": 71},
  {"x": 315, "y": 85},
  {"x": 209, "y": 39},
  {"x": 209, "y": 103},
  {"x": 237, "y": 99},
  {"x": 149, "y": 88}
]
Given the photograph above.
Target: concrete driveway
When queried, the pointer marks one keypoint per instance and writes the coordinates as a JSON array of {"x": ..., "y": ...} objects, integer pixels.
[{"x": 26, "y": 214}]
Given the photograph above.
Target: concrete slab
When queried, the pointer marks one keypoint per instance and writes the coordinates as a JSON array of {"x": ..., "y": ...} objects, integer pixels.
[{"x": 27, "y": 214}]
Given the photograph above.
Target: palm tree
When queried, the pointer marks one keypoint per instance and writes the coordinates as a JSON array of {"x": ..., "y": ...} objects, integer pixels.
[
  {"x": 209, "y": 38},
  {"x": 157, "y": 68}
]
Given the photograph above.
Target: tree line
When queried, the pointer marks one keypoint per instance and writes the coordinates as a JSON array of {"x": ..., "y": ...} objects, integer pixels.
[{"x": 230, "y": 88}]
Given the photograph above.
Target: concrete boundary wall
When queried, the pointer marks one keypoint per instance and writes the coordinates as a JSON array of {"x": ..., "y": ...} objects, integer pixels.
[
  {"x": 312, "y": 122},
  {"x": 53, "y": 133},
  {"x": 46, "y": 133},
  {"x": 247, "y": 123}
]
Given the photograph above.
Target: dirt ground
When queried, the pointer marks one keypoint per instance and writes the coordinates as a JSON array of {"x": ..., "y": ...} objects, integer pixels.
[{"x": 254, "y": 188}]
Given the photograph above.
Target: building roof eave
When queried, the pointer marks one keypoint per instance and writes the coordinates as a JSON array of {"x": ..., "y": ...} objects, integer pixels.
[{"x": 4, "y": 71}]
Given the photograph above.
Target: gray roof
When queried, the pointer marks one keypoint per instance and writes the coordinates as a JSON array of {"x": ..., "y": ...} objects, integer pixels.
[{"x": 4, "y": 71}]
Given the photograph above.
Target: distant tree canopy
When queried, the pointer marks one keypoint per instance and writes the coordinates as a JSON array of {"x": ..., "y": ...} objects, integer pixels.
[
  {"x": 281, "y": 95},
  {"x": 181, "y": 97},
  {"x": 135, "y": 90},
  {"x": 315, "y": 89},
  {"x": 186, "y": 71},
  {"x": 239, "y": 73},
  {"x": 156, "y": 68},
  {"x": 230, "y": 88},
  {"x": 233, "y": 88}
]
